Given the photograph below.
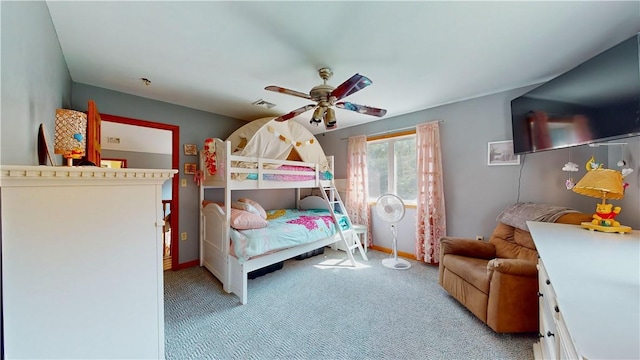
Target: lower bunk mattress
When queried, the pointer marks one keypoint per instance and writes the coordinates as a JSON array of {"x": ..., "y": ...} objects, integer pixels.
[{"x": 286, "y": 228}]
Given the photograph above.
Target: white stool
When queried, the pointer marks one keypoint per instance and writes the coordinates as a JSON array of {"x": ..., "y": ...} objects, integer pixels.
[{"x": 357, "y": 231}]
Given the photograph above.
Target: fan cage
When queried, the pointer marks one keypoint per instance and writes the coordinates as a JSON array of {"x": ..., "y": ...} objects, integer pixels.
[{"x": 390, "y": 208}]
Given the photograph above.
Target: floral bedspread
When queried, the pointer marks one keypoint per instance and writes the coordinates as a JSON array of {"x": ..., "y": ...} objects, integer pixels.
[{"x": 287, "y": 228}]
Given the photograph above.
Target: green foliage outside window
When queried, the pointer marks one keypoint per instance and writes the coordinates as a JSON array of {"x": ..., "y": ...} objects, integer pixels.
[{"x": 391, "y": 166}]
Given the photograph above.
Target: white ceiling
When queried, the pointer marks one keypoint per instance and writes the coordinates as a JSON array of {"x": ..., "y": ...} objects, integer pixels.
[{"x": 219, "y": 56}]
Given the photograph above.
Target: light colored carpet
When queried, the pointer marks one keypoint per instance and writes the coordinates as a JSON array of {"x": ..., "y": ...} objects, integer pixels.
[{"x": 321, "y": 308}]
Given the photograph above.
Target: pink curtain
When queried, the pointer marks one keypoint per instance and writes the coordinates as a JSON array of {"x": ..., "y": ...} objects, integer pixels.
[
  {"x": 357, "y": 183},
  {"x": 431, "y": 219}
]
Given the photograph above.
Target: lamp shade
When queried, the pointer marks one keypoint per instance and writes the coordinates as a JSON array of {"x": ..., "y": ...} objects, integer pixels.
[
  {"x": 70, "y": 133},
  {"x": 601, "y": 183}
]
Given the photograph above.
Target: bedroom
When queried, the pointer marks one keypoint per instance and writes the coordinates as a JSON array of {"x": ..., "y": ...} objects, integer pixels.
[{"x": 35, "y": 81}]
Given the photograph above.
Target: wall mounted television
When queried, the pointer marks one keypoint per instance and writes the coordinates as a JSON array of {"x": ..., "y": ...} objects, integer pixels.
[{"x": 598, "y": 100}]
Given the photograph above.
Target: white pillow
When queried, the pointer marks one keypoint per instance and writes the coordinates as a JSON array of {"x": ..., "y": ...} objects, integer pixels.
[{"x": 253, "y": 206}]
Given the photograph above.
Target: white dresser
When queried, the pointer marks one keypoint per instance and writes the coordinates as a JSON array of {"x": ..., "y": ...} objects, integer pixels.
[
  {"x": 589, "y": 293},
  {"x": 82, "y": 262}
]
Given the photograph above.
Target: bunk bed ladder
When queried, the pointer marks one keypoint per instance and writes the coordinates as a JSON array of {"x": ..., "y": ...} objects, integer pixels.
[{"x": 336, "y": 206}]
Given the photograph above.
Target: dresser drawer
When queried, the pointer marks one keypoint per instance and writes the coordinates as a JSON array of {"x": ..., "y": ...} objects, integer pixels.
[
  {"x": 545, "y": 286},
  {"x": 566, "y": 346},
  {"x": 546, "y": 294},
  {"x": 548, "y": 342}
]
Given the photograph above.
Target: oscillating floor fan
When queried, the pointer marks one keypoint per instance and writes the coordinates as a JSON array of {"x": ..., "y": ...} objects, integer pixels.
[{"x": 390, "y": 208}]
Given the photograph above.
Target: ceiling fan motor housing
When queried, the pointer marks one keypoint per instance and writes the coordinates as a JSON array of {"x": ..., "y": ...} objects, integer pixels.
[
  {"x": 321, "y": 92},
  {"x": 325, "y": 73}
]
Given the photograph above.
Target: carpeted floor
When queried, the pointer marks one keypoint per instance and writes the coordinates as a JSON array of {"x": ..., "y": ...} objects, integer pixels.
[{"x": 321, "y": 308}]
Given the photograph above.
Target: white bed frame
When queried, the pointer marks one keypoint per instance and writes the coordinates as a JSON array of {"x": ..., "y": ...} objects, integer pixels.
[{"x": 214, "y": 220}]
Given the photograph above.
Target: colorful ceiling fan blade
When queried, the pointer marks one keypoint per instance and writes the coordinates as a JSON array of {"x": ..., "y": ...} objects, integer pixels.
[
  {"x": 295, "y": 113},
  {"x": 355, "y": 83},
  {"x": 287, "y": 91},
  {"x": 362, "y": 109}
]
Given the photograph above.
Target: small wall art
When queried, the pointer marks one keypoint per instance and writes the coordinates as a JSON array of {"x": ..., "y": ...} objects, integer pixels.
[
  {"x": 190, "y": 149},
  {"x": 501, "y": 153},
  {"x": 190, "y": 168}
]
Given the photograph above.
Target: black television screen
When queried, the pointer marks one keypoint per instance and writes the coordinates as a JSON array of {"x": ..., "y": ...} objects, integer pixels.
[{"x": 596, "y": 101}]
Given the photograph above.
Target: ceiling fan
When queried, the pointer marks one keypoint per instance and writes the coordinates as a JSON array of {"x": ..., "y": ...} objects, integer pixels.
[{"x": 326, "y": 96}]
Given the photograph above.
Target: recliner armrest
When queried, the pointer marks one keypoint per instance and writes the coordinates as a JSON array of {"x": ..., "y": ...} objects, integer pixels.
[
  {"x": 512, "y": 267},
  {"x": 467, "y": 247},
  {"x": 513, "y": 300}
]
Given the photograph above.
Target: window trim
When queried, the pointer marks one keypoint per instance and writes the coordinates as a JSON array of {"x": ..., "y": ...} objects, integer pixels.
[{"x": 389, "y": 136}]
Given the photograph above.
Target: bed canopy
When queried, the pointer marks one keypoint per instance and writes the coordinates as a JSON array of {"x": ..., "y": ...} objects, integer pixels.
[{"x": 271, "y": 139}]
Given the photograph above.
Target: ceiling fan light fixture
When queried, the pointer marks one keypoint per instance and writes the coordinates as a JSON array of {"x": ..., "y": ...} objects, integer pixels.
[
  {"x": 318, "y": 115},
  {"x": 330, "y": 118}
]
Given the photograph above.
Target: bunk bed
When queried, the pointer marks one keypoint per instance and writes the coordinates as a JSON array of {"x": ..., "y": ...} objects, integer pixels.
[{"x": 264, "y": 155}]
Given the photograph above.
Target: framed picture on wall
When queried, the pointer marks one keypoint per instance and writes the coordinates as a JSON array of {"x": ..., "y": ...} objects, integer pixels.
[
  {"x": 501, "y": 153},
  {"x": 190, "y": 149},
  {"x": 190, "y": 168}
]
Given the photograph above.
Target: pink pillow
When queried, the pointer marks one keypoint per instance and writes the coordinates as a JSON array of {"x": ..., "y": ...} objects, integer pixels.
[
  {"x": 244, "y": 220},
  {"x": 207, "y": 202},
  {"x": 252, "y": 204}
]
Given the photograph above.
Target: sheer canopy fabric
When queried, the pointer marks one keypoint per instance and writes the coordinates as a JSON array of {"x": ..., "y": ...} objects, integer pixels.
[
  {"x": 357, "y": 183},
  {"x": 274, "y": 140}
]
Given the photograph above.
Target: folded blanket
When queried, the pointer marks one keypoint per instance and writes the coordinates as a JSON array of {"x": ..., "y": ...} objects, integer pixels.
[{"x": 518, "y": 214}]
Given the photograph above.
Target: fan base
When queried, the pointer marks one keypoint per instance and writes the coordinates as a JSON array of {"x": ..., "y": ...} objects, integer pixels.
[{"x": 397, "y": 264}]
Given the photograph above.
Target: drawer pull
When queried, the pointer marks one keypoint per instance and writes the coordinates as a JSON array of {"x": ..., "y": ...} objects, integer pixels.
[
  {"x": 556, "y": 308},
  {"x": 540, "y": 294},
  {"x": 550, "y": 334},
  {"x": 540, "y": 335},
  {"x": 548, "y": 282}
]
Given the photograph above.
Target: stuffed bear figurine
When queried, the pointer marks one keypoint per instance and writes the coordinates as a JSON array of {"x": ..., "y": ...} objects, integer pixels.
[{"x": 605, "y": 215}]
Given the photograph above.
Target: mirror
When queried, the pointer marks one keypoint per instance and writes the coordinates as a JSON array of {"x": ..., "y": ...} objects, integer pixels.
[{"x": 113, "y": 163}]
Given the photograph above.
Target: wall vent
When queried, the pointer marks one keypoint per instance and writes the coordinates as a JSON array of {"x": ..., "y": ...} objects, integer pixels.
[{"x": 264, "y": 104}]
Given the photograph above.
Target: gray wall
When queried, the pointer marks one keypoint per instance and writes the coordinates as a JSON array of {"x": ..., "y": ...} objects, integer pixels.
[
  {"x": 476, "y": 193},
  {"x": 269, "y": 200},
  {"x": 35, "y": 80},
  {"x": 195, "y": 126}
]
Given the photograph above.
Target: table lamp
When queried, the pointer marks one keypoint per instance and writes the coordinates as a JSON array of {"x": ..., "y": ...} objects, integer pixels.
[
  {"x": 604, "y": 184},
  {"x": 70, "y": 134}
]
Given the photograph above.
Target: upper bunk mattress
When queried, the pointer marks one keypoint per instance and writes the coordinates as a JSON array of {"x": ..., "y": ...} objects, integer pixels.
[{"x": 302, "y": 173}]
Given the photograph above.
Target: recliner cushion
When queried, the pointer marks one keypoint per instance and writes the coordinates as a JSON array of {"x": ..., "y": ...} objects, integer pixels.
[
  {"x": 513, "y": 243},
  {"x": 473, "y": 270}
]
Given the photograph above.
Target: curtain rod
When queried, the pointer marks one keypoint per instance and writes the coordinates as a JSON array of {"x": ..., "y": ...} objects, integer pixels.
[{"x": 397, "y": 130}]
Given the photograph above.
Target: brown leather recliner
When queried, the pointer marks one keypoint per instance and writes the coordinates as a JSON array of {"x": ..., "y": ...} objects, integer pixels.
[{"x": 497, "y": 280}]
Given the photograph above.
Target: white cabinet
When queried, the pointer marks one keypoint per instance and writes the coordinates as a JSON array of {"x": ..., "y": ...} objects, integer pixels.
[
  {"x": 589, "y": 291},
  {"x": 82, "y": 262}
]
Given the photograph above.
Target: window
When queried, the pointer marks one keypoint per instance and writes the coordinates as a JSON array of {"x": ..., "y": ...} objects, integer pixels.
[{"x": 391, "y": 166}]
